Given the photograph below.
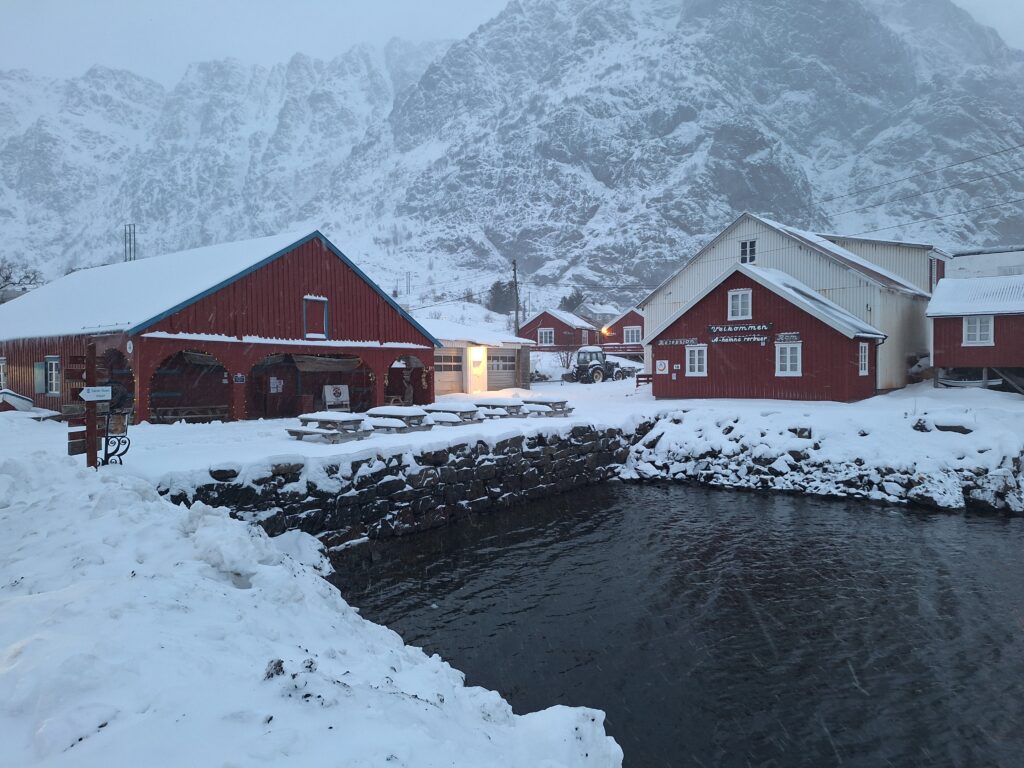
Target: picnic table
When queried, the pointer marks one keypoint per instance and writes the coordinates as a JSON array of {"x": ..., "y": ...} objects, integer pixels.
[
  {"x": 510, "y": 405},
  {"x": 386, "y": 424},
  {"x": 444, "y": 419},
  {"x": 332, "y": 426},
  {"x": 168, "y": 414},
  {"x": 412, "y": 417},
  {"x": 465, "y": 410},
  {"x": 494, "y": 413},
  {"x": 644, "y": 378},
  {"x": 558, "y": 406}
]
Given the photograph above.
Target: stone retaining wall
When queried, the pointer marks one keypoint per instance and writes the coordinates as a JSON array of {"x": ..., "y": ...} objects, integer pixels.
[{"x": 386, "y": 495}]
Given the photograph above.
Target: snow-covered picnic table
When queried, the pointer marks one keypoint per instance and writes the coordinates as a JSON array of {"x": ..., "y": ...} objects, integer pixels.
[
  {"x": 465, "y": 410},
  {"x": 412, "y": 417},
  {"x": 332, "y": 426},
  {"x": 558, "y": 406},
  {"x": 512, "y": 406}
]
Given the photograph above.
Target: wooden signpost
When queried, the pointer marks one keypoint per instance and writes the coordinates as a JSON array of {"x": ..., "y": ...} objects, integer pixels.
[{"x": 83, "y": 432}]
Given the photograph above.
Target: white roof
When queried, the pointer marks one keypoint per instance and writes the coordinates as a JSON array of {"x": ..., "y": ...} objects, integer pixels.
[
  {"x": 131, "y": 295},
  {"x": 573, "y": 321},
  {"x": 978, "y": 296},
  {"x": 639, "y": 311},
  {"x": 446, "y": 330},
  {"x": 792, "y": 290},
  {"x": 120, "y": 296}
]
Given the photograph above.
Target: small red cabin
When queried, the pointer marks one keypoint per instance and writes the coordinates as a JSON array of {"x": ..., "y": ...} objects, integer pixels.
[
  {"x": 625, "y": 334},
  {"x": 978, "y": 324},
  {"x": 252, "y": 329},
  {"x": 556, "y": 329},
  {"x": 759, "y": 333}
]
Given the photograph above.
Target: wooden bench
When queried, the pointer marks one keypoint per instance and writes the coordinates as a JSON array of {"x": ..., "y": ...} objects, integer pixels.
[
  {"x": 557, "y": 407},
  {"x": 192, "y": 414},
  {"x": 330, "y": 435},
  {"x": 466, "y": 412},
  {"x": 332, "y": 426},
  {"x": 644, "y": 378},
  {"x": 412, "y": 417}
]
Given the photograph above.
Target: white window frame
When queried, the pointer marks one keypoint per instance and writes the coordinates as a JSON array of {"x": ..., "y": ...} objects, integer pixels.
[
  {"x": 632, "y": 330},
  {"x": 700, "y": 356},
  {"x": 789, "y": 346},
  {"x": 586, "y": 337},
  {"x": 53, "y": 375},
  {"x": 739, "y": 293},
  {"x": 863, "y": 359},
  {"x": 3, "y": 373},
  {"x": 980, "y": 339},
  {"x": 317, "y": 304},
  {"x": 548, "y": 333},
  {"x": 748, "y": 251}
]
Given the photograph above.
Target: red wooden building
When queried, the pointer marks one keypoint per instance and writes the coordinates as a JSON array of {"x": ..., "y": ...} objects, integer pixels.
[
  {"x": 978, "y": 324},
  {"x": 556, "y": 329},
  {"x": 238, "y": 330},
  {"x": 625, "y": 334},
  {"x": 759, "y": 333}
]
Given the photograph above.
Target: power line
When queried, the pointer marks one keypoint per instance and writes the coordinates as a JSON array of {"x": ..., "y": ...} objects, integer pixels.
[
  {"x": 919, "y": 175},
  {"x": 929, "y": 191},
  {"x": 943, "y": 216}
]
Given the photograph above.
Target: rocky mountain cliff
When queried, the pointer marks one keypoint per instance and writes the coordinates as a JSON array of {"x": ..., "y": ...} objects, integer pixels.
[{"x": 597, "y": 142}]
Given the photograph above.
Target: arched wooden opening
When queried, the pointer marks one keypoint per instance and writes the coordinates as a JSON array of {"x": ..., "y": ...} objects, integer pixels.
[
  {"x": 409, "y": 382},
  {"x": 284, "y": 385},
  {"x": 190, "y": 386},
  {"x": 113, "y": 370}
]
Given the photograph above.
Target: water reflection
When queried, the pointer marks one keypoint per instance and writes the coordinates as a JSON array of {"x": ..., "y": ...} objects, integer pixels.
[{"x": 728, "y": 629}]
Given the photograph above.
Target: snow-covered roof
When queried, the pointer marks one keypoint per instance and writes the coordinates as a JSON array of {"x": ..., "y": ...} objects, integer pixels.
[
  {"x": 446, "y": 330},
  {"x": 129, "y": 296},
  {"x": 792, "y": 290},
  {"x": 617, "y": 319},
  {"x": 978, "y": 296},
  {"x": 573, "y": 321}
]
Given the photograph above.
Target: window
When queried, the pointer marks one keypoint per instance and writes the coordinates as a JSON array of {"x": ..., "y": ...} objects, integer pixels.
[
  {"x": 3, "y": 373},
  {"x": 978, "y": 331},
  {"x": 739, "y": 304},
  {"x": 501, "y": 362},
  {"x": 788, "y": 360},
  {"x": 748, "y": 251},
  {"x": 53, "y": 375},
  {"x": 863, "y": 358},
  {"x": 586, "y": 337},
  {"x": 448, "y": 361},
  {"x": 631, "y": 334},
  {"x": 546, "y": 336},
  {"x": 314, "y": 317},
  {"x": 697, "y": 360}
]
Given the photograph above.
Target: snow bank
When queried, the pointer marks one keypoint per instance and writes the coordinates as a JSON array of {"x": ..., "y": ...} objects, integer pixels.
[{"x": 134, "y": 632}]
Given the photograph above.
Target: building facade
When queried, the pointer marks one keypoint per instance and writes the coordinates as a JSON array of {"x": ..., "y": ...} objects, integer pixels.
[
  {"x": 758, "y": 333},
  {"x": 240, "y": 330},
  {"x": 555, "y": 330},
  {"x": 624, "y": 335},
  {"x": 477, "y": 360}
]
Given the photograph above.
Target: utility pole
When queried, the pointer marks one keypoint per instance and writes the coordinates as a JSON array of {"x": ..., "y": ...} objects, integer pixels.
[{"x": 515, "y": 287}]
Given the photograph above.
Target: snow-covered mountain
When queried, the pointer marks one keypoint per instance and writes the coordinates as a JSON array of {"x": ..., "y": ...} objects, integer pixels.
[{"x": 597, "y": 142}]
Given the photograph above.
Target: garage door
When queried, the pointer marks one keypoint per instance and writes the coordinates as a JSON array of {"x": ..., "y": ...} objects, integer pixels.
[
  {"x": 447, "y": 371},
  {"x": 501, "y": 369}
]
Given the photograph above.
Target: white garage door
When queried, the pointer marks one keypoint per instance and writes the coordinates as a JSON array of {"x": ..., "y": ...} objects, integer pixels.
[
  {"x": 501, "y": 368},
  {"x": 447, "y": 371}
]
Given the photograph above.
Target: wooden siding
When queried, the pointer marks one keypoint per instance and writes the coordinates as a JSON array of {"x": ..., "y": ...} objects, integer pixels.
[
  {"x": 747, "y": 369},
  {"x": 1007, "y": 351},
  {"x": 269, "y": 303},
  {"x": 911, "y": 263},
  {"x": 566, "y": 337}
]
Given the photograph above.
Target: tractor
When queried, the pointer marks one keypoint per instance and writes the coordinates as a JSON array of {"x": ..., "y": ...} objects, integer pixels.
[{"x": 593, "y": 367}]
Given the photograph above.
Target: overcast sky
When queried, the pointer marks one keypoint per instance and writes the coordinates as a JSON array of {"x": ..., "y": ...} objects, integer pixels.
[{"x": 158, "y": 38}]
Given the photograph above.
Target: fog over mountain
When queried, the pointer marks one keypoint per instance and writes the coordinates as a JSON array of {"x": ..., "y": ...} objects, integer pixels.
[{"x": 597, "y": 142}]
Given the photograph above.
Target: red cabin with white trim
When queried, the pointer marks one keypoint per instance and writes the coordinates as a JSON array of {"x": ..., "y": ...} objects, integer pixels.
[
  {"x": 555, "y": 330},
  {"x": 759, "y": 333},
  {"x": 625, "y": 334}
]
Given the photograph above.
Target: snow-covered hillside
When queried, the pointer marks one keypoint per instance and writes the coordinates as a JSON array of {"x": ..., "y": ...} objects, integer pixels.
[
  {"x": 133, "y": 632},
  {"x": 595, "y": 141}
]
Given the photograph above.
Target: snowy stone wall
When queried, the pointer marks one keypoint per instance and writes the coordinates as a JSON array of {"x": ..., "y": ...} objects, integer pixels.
[{"x": 393, "y": 494}]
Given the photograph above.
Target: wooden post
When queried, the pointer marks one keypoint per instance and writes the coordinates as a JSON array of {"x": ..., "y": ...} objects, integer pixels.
[{"x": 90, "y": 407}]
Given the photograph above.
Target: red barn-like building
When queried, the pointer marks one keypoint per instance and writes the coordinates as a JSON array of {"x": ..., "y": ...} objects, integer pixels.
[
  {"x": 238, "y": 330},
  {"x": 759, "y": 333},
  {"x": 625, "y": 334},
  {"x": 556, "y": 329},
  {"x": 978, "y": 324}
]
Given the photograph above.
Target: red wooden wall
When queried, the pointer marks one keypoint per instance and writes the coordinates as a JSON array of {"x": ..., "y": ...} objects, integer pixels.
[
  {"x": 1008, "y": 350},
  {"x": 747, "y": 370},
  {"x": 566, "y": 336}
]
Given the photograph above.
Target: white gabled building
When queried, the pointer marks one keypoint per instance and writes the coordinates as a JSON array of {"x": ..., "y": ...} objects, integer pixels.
[{"x": 885, "y": 284}]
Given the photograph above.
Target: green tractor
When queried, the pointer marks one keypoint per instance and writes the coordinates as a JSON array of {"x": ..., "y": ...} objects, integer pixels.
[{"x": 592, "y": 367}]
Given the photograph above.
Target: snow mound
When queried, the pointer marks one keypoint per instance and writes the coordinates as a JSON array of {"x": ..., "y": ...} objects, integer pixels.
[{"x": 136, "y": 632}]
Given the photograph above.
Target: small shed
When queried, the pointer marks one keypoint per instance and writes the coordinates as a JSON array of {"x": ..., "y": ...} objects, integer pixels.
[
  {"x": 978, "y": 325},
  {"x": 473, "y": 359},
  {"x": 760, "y": 333},
  {"x": 624, "y": 335},
  {"x": 556, "y": 329}
]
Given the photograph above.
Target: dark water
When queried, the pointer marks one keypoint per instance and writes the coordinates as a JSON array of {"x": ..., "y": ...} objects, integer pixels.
[{"x": 728, "y": 629}]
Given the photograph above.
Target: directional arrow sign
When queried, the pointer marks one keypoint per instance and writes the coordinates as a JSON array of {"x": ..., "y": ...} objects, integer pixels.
[{"x": 95, "y": 394}]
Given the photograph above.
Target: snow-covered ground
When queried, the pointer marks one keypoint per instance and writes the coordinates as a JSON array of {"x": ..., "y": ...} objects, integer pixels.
[
  {"x": 550, "y": 363},
  {"x": 134, "y": 632}
]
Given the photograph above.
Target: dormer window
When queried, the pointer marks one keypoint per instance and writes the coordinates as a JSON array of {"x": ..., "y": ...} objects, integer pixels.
[
  {"x": 748, "y": 251},
  {"x": 739, "y": 304}
]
